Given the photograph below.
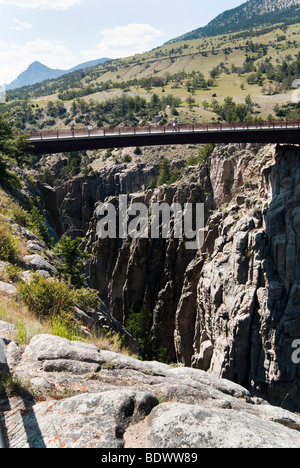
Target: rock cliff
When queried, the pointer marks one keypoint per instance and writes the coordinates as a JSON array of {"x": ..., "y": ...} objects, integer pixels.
[
  {"x": 228, "y": 313},
  {"x": 247, "y": 294},
  {"x": 230, "y": 308},
  {"x": 76, "y": 198}
]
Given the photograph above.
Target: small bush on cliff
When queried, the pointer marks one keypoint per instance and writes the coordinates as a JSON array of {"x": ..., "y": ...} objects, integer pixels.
[
  {"x": 8, "y": 178},
  {"x": 47, "y": 298},
  {"x": 167, "y": 175},
  {"x": 13, "y": 149},
  {"x": 205, "y": 152},
  {"x": 13, "y": 272},
  {"x": 53, "y": 298},
  {"x": 164, "y": 172},
  {"x": 86, "y": 299},
  {"x": 9, "y": 246}
]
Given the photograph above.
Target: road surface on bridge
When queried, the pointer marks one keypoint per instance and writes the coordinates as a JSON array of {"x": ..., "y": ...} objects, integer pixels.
[{"x": 102, "y": 138}]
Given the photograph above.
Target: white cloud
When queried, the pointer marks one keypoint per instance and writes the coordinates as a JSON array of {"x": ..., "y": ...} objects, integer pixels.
[
  {"x": 20, "y": 26},
  {"x": 45, "y": 4},
  {"x": 15, "y": 58},
  {"x": 123, "y": 41}
]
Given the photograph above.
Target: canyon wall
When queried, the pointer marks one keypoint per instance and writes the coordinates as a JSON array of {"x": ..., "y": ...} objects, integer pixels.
[{"x": 231, "y": 308}]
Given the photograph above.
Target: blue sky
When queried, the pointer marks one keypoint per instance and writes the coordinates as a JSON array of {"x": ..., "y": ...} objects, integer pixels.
[{"x": 64, "y": 33}]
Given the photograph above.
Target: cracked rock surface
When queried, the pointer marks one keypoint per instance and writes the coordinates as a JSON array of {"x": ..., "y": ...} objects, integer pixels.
[{"x": 85, "y": 397}]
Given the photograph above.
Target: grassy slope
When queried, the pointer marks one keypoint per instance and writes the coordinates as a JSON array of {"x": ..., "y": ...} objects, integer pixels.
[{"x": 190, "y": 56}]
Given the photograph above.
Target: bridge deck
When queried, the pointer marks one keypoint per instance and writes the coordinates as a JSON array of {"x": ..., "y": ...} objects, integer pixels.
[{"x": 91, "y": 139}]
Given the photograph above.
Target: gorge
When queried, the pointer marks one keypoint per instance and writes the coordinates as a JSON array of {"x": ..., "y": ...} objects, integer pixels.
[
  {"x": 207, "y": 339},
  {"x": 125, "y": 342},
  {"x": 230, "y": 308}
]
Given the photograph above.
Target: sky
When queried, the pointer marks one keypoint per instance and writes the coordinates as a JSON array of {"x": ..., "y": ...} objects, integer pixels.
[{"x": 64, "y": 33}]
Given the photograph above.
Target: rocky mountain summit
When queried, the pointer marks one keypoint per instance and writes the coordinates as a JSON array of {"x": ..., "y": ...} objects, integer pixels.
[{"x": 256, "y": 7}]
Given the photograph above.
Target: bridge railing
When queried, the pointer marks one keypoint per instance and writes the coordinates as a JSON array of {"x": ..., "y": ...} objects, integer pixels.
[{"x": 149, "y": 129}]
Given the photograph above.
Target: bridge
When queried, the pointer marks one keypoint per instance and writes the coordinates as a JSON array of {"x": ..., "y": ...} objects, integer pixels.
[{"x": 103, "y": 138}]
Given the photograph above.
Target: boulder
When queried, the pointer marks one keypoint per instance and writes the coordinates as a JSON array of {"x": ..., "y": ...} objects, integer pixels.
[
  {"x": 175, "y": 425},
  {"x": 7, "y": 288},
  {"x": 38, "y": 263}
]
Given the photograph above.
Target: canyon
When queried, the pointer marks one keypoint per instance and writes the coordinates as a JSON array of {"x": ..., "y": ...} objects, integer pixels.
[
  {"x": 127, "y": 342},
  {"x": 224, "y": 318},
  {"x": 230, "y": 308}
]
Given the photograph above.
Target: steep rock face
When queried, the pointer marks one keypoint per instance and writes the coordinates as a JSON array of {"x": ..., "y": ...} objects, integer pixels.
[
  {"x": 247, "y": 299},
  {"x": 235, "y": 176},
  {"x": 77, "y": 197},
  {"x": 146, "y": 272},
  {"x": 232, "y": 307}
]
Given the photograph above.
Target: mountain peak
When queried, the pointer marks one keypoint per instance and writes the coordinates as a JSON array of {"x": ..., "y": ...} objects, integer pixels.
[
  {"x": 38, "y": 72},
  {"x": 35, "y": 73},
  {"x": 36, "y": 64}
]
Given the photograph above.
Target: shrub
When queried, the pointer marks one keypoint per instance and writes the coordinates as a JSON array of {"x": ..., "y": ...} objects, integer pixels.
[
  {"x": 205, "y": 152},
  {"x": 86, "y": 299},
  {"x": 127, "y": 159},
  {"x": 137, "y": 151},
  {"x": 192, "y": 160},
  {"x": 53, "y": 298},
  {"x": 47, "y": 177},
  {"x": 167, "y": 175},
  {"x": 47, "y": 298},
  {"x": 19, "y": 215},
  {"x": 9, "y": 245},
  {"x": 9, "y": 178},
  {"x": 21, "y": 332},
  {"x": 13, "y": 272},
  {"x": 164, "y": 172},
  {"x": 13, "y": 149},
  {"x": 152, "y": 184},
  {"x": 12, "y": 209}
]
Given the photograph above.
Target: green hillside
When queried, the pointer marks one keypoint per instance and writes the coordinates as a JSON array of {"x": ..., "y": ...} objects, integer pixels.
[
  {"x": 252, "y": 14},
  {"x": 190, "y": 81}
]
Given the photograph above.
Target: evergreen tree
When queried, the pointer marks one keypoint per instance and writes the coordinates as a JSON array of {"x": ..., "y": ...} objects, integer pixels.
[
  {"x": 140, "y": 326},
  {"x": 164, "y": 172},
  {"x": 73, "y": 259},
  {"x": 14, "y": 148}
]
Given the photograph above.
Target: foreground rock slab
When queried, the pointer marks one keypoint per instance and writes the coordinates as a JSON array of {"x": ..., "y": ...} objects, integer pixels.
[
  {"x": 175, "y": 425},
  {"x": 86, "y": 397},
  {"x": 87, "y": 420}
]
